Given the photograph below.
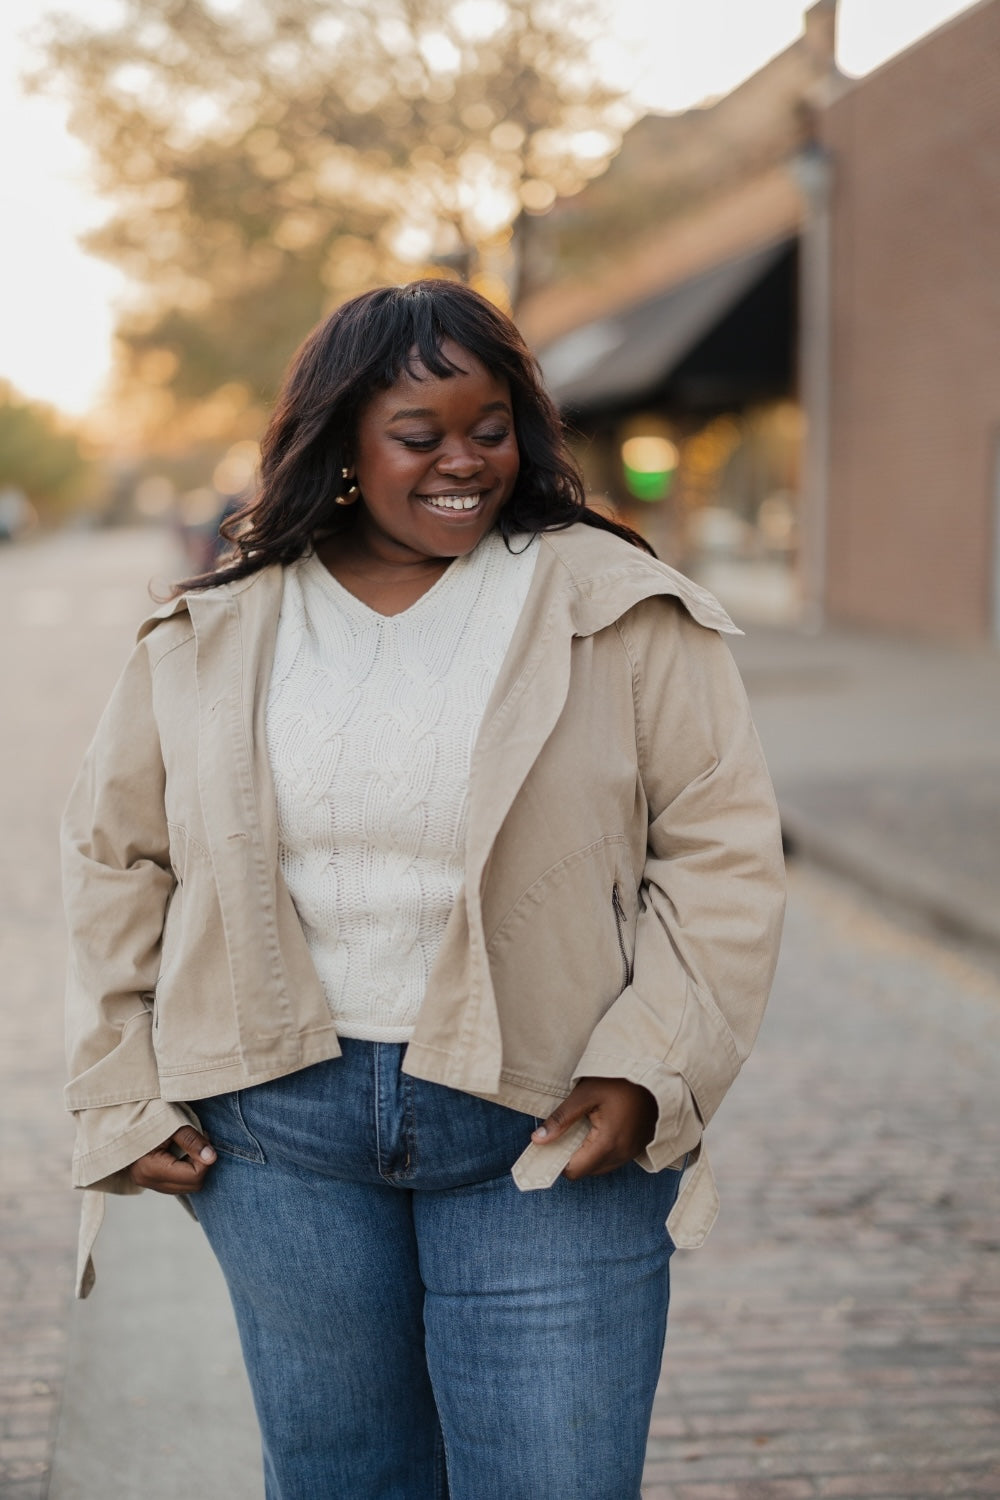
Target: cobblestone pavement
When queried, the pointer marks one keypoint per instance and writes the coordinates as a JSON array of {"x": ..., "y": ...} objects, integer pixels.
[
  {"x": 68, "y": 607},
  {"x": 839, "y": 1336}
]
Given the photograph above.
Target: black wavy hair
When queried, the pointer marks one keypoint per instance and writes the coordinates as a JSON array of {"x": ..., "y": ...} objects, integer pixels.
[{"x": 361, "y": 348}]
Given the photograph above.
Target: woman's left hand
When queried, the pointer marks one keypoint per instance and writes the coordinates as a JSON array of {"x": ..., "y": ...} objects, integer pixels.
[{"x": 622, "y": 1121}]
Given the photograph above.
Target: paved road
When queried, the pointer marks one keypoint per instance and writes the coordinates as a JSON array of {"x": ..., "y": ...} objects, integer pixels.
[
  {"x": 67, "y": 610},
  {"x": 838, "y": 1336}
]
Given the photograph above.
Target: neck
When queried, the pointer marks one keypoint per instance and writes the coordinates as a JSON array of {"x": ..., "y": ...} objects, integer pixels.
[
  {"x": 370, "y": 554},
  {"x": 394, "y": 573}
]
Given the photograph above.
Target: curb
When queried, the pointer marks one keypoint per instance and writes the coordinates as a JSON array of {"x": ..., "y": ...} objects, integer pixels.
[{"x": 952, "y": 903}]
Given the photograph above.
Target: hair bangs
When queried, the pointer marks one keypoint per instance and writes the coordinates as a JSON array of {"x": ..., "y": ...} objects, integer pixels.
[{"x": 413, "y": 338}]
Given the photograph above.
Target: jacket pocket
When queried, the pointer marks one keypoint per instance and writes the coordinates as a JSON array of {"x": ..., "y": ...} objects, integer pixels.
[{"x": 621, "y": 921}]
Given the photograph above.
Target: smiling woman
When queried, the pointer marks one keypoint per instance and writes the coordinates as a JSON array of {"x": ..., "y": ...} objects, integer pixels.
[{"x": 425, "y": 858}]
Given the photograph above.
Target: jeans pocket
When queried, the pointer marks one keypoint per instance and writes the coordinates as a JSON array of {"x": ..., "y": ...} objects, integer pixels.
[{"x": 223, "y": 1123}]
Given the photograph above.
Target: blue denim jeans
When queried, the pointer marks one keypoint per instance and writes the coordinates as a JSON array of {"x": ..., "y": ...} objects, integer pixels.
[{"x": 415, "y": 1327}]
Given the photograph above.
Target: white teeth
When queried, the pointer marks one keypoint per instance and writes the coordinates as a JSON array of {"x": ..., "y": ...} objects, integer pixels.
[{"x": 453, "y": 502}]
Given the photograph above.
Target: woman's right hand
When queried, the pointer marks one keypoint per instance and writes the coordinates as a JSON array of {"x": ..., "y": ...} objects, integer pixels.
[{"x": 179, "y": 1165}]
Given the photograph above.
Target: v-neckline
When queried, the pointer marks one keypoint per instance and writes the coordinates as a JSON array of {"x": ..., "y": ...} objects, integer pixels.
[{"x": 365, "y": 612}]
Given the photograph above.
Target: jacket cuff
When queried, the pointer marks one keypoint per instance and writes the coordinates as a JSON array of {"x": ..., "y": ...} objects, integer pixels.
[
  {"x": 678, "y": 1124},
  {"x": 111, "y": 1138}
]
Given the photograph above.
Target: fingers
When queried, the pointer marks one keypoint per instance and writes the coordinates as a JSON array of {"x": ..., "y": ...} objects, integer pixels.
[
  {"x": 195, "y": 1145},
  {"x": 598, "y": 1155},
  {"x": 573, "y": 1108},
  {"x": 622, "y": 1121},
  {"x": 179, "y": 1165}
]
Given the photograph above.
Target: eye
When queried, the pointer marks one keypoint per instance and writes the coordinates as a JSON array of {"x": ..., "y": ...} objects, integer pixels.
[
  {"x": 493, "y": 437},
  {"x": 422, "y": 445}
]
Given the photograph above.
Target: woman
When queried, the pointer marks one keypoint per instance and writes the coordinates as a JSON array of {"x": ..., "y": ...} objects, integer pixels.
[{"x": 425, "y": 856}]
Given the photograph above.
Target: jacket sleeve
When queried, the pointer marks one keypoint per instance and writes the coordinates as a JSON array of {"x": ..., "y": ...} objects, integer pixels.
[
  {"x": 712, "y": 897},
  {"x": 117, "y": 882}
]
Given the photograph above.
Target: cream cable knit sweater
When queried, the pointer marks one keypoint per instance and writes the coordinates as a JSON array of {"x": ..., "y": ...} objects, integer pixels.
[{"x": 371, "y": 722}]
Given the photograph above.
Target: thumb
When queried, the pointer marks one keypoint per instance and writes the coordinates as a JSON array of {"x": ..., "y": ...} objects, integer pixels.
[
  {"x": 193, "y": 1144},
  {"x": 563, "y": 1116}
]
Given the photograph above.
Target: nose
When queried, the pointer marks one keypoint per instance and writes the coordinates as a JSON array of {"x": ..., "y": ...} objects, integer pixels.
[{"x": 460, "y": 460}]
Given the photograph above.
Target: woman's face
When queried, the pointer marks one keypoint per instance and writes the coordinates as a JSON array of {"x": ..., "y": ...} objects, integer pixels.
[{"x": 435, "y": 461}]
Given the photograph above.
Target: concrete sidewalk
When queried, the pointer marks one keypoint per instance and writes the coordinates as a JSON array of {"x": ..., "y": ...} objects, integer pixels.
[
  {"x": 885, "y": 756},
  {"x": 156, "y": 1404}
]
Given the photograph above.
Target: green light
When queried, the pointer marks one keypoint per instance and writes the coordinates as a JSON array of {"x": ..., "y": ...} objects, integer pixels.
[
  {"x": 649, "y": 463},
  {"x": 647, "y": 484}
]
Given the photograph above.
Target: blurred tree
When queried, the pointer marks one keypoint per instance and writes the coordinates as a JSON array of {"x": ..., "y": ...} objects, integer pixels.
[
  {"x": 270, "y": 157},
  {"x": 39, "y": 456}
]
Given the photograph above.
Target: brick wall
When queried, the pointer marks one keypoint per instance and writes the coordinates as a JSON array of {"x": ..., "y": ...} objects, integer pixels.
[{"x": 915, "y": 415}]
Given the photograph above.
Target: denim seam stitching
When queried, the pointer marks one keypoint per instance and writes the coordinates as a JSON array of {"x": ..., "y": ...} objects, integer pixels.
[{"x": 410, "y": 1125}]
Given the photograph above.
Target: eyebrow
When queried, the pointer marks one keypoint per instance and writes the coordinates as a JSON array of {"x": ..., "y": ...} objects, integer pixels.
[{"x": 426, "y": 411}]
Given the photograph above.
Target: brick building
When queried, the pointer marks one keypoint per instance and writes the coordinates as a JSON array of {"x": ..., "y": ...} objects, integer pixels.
[
  {"x": 912, "y": 508},
  {"x": 798, "y": 289}
]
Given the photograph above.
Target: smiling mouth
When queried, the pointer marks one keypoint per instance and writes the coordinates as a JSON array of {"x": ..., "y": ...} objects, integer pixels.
[{"x": 464, "y": 502}]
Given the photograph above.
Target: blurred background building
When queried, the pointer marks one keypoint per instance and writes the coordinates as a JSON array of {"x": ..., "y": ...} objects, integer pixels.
[
  {"x": 772, "y": 320},
  {"x": 775, "y": 324}
]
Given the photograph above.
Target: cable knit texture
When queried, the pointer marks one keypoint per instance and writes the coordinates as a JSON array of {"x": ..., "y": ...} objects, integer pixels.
[{"x": 371, "y": 722}]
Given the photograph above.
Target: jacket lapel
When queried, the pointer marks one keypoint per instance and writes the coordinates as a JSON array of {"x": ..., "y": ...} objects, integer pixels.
[{"x": 565, "y": 600}]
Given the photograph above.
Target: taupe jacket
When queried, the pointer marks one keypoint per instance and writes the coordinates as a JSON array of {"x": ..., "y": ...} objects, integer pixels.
[{"x": 623, "y": 892}]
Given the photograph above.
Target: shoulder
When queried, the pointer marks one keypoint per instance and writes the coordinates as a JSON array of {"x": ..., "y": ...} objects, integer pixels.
[
  {"x": 608, "y": 578},
  {"x": 173, "y": 623},
  {"x": 586, "y": 551}
]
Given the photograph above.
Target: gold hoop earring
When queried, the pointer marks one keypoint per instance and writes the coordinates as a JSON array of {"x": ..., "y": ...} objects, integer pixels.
[{"x": 351, "y": 494}]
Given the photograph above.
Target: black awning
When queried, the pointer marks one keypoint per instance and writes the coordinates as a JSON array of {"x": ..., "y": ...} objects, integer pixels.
[{"x": 620, "y": 358}]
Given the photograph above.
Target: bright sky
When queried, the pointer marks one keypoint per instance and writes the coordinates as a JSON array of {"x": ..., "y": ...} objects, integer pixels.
[{"x": 57, "y": 304}]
